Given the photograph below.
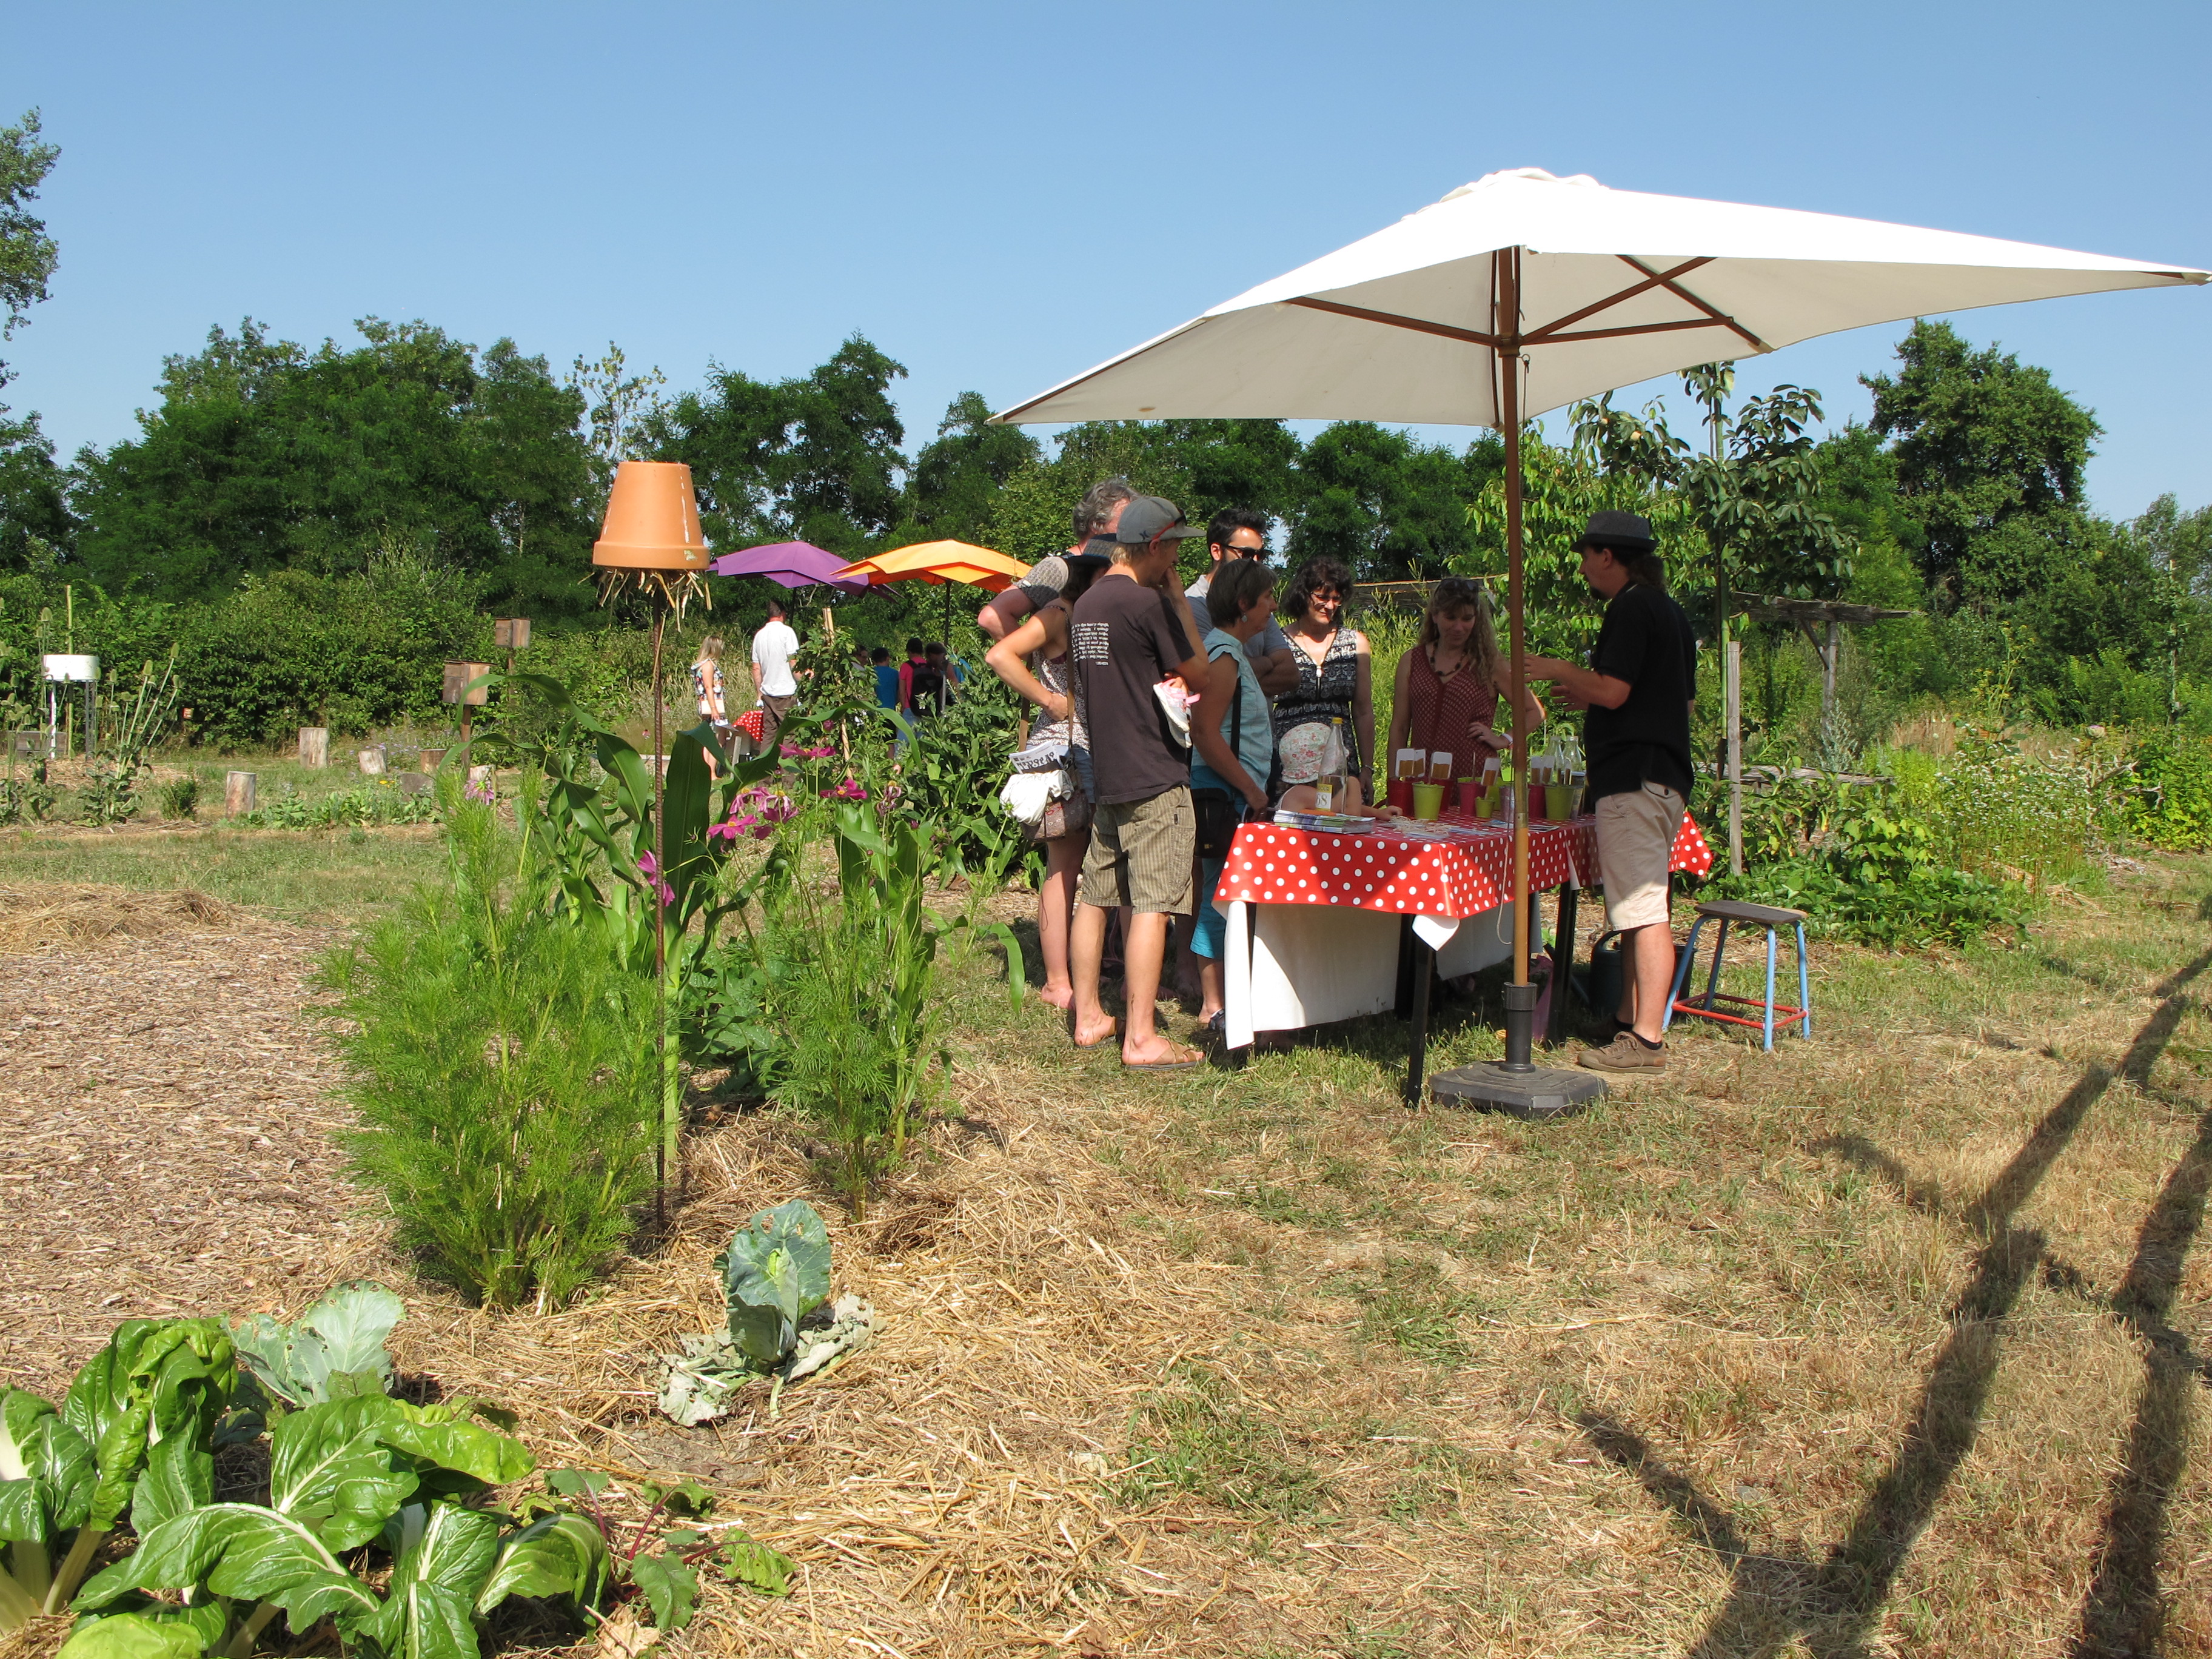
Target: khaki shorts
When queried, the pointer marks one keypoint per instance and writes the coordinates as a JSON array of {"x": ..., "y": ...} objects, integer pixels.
[
  {"x": 1635, "y": 844},
  {"x": 1141, "y": 855}
]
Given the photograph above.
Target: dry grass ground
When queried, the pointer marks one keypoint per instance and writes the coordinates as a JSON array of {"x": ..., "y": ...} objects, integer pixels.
[{"x": 1893, "y": 1341}]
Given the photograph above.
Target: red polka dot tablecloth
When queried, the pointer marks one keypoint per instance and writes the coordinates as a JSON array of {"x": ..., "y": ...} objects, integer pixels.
[
  {"x": 751, "y": 723},
  {"x": 1464, "y": 873}
]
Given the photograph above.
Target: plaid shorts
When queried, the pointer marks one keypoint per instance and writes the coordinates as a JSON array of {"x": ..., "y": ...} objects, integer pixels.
[{"x": 1141, "y": 855}]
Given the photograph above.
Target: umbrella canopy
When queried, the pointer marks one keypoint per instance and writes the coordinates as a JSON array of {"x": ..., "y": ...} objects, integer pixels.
[
  {"x": 794, "y": 564},
  {"x": 939, "y": 562},
  {"x": 1522, "y": 292},
  {"x": 1611, "y": 286}
]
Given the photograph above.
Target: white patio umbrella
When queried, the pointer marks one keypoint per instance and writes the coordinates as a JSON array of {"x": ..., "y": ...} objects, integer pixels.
[{"x": 1578, "y": 289}]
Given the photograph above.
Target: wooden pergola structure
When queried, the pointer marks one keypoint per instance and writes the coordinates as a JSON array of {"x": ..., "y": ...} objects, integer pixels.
[{"x": 1831, "y": 614}]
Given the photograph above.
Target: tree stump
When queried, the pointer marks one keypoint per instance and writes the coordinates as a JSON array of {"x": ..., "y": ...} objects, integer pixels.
[
  {"x": 372, "y": 760},
  {"x": 315, "y": 745},
  {"x": 238, "y": 794},
  {"x": 414, "y": 783}
]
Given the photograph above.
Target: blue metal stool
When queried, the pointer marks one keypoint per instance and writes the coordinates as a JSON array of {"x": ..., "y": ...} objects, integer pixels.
[{"x": 1771, "y": 917}]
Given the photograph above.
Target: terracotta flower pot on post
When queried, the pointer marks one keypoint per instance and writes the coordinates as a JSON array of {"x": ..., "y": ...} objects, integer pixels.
[{"x": 651, "y": 538}]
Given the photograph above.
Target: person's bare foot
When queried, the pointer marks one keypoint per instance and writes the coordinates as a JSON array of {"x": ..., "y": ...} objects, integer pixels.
[
  {"x": 1063, "y": 998},
  {"x": 1090, "y": 1037},
  {"x": 1161, "y": 1055}
]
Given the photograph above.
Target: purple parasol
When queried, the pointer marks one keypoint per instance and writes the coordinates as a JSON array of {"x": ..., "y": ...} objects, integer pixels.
[{"x": 794, "y": 564}]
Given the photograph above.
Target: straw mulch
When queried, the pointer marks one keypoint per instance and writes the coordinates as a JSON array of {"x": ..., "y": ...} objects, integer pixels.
[{"x": 165, "y": 1123}]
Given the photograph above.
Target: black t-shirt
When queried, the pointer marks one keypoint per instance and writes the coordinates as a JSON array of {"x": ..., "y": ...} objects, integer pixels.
[
  {"x": 1646, "y": 641},
  {"x": 1125, "y": 639}
]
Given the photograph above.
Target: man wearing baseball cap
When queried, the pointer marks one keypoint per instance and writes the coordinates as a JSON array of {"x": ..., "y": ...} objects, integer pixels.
[
  {"x": 1640, "y": 687},
  {"x": 1128, "y": 632}
]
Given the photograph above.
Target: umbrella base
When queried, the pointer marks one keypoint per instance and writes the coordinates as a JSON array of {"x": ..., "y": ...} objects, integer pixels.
[{"x": 1539, "y": 1094}]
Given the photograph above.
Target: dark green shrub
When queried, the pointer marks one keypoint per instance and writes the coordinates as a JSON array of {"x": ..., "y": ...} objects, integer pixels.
[
  {"x": 1927, "y": 906},
  {"x": 2171, "y": 803},
  {"x": 503, "y": 1067},
  {"x": 181, "y": 797}
]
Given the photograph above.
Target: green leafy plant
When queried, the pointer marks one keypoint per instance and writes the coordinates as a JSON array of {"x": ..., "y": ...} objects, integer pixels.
[
  {"x": 661, "y": 1566},
  {"x": 180, "y": 797},
  {"x": 501, "y": 1060},
  {"x": 334, "y": 1350},
  {"x": 2169, "y": 799},
  {"x": 347, "y": 1475},
  {"x": 134, "y": 1436},
  {"x": 109, "y": 794}
]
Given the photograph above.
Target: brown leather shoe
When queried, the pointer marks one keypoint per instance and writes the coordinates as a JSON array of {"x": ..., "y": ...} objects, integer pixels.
[{"x": 1626, "y": 1053}]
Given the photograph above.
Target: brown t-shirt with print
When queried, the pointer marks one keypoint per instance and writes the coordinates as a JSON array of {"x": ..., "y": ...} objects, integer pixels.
[{"x": 1125, "y": 639}]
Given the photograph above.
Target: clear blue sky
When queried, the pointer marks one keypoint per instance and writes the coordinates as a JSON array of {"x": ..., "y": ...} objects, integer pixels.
[{"x": 999, "y": 195}]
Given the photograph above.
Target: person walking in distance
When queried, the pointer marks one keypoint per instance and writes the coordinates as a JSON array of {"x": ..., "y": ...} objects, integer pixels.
[
  {"x": 773, "y": 647},
  {"x": 1639, "y": 689},
  {"x": 1127, "y": 634}
]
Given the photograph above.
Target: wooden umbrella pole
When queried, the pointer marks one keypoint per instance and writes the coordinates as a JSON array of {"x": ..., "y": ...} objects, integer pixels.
[{"x": 1520, "y": 1021}]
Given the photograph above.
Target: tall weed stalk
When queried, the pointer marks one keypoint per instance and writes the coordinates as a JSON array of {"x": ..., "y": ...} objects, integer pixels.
[{"x": 502, "y": 1061}]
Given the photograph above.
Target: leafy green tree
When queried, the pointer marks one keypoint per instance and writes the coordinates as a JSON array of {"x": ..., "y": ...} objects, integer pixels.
[
  {"x": 617, "y": 407},
  {"x": 1990, "y": 458},
  {"x": 263, "y": 456},
  {"x": 1389, "y": 507},
  {"x": 34, "y": 520},
  {"x": 1561, "y": 485},
  {"x": 815, "y": 458},
  {"x": 954, "y": 480},
  {"x": 27, "y": 254},
  {"x": 1754, "y": 494}
]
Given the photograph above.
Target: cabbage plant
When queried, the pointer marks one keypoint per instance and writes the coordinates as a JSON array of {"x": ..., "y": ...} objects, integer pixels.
[
  {"x": 336, "y": 1348},
  {"x": 774, "y": 1272}
]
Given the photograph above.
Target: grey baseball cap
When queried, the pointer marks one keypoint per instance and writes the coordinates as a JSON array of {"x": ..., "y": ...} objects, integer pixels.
[{"x": 1151, "y": 518}]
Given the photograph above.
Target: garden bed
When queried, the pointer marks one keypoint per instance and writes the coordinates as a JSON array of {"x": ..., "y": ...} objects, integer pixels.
[{"x": 1850, "y": 1345}]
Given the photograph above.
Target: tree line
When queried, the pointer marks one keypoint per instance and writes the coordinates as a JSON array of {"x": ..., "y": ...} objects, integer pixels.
[{"x": 265, "y": 460}]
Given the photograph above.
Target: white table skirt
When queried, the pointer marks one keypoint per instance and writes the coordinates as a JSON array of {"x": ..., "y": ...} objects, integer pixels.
[{"x": 1287, "y": 966}]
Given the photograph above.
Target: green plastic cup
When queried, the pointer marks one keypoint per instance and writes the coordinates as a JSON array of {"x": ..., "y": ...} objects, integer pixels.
[
  {"x": 1558, "y": 801},
  {"x": 1428, "y": 801}
]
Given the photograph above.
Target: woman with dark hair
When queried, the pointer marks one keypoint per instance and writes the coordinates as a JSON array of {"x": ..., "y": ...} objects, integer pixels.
[
  {"x": 1450, "y": 685},
  {"x": 1033, "y": 659},
  {"x": 1334, "y": 668},
  {"x": 1232, "y": 743}
]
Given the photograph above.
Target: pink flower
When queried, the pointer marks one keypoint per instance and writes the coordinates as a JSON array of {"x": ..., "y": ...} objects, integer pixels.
[
  {"x": 649, "y": 867},
  {"x": 851, "y": 789}
]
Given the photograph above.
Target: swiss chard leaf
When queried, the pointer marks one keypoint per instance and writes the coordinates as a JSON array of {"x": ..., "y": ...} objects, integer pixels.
[
  {"x": 333, "y": 1466},
  {"x": 133, "y": 1636},
  {"x": 427, "y": 1612},
  {"x": 776, "y": 1272},
  {"x": 670, "y": 1588},
  {"x": 207, "y": 1618},
  {"x": 245, "y": 1552},
  {"x": 557, "y": 1555},
  {"x": 746, "y": 1560},
  {"x": 46, "y": 1471},
  {"x": 156, "y": 1379}
]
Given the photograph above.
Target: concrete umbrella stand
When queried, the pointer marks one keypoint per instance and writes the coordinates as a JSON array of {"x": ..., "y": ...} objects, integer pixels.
[{"x": 651, "y": 541}]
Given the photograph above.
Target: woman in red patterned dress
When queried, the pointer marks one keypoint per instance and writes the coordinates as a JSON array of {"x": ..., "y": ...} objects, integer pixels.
[{"x": 1450, "y": 685}]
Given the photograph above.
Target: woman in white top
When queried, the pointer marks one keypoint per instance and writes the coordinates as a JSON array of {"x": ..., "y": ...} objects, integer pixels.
[{"x": 707, "y": 688}]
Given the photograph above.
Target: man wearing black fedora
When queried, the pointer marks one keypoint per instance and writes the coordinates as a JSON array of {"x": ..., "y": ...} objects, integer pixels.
[{"x": 1639, "y": 687}]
